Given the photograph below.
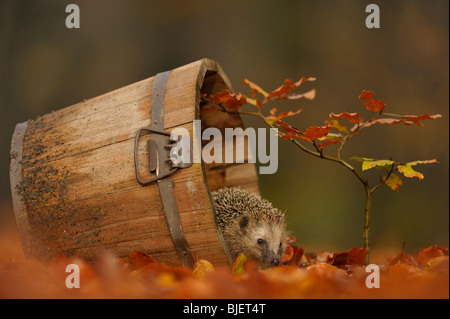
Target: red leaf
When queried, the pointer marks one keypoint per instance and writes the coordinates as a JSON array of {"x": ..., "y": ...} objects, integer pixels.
[
  {"x": 405, "y": 119},
  {"x": 375, "y": 105},
  {"x": 314, "y": 132},
  {"x": 255, "y": 88},
  {"x": 303, "y": 79},
  {"x": 417, "y": 118},
  {"x": 292, "y": 256},
  {"x": 275, "y": 118},
  {"x": 287, "y": 255},
  {"x": 352, "y": 117},
  {"x": 287, "y": 137},
  {"x": 138, "y": 259},
  {"x": 259, "y": 104},
  {"x": 286, "y": 114},
  {"x": 229, "y": 100},
  {"x": 355, "y": 256},
  {"x": 366, "y": 95},
  {"x": 370, "y": 103},
  {"x": 429, "y": 253},
  {"x": 330, "y": 142},
  {"x": 288, "y": 128},
  {"x": 290, "y": 250},
  {"x": 298, "y": 254},
  {"x": 388, "y": 121},
  {"x": 282, "y": 91}
]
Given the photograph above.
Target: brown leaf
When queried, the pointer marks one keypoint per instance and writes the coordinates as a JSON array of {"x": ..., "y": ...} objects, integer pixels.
[{"x": 402, "y": 258}]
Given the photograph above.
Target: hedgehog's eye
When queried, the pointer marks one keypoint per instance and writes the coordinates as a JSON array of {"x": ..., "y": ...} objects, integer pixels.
[
  {"x": 261, "y": 241},
  {"x": 280, "y": 243}
]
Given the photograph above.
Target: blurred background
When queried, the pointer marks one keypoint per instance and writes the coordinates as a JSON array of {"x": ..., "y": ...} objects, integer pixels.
[{"x": 44, "y": 66}]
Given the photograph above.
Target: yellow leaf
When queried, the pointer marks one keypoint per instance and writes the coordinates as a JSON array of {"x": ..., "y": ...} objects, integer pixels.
[
  {"x": 238, "y": 265},
  {"x": 255, "y": 88},
  {"x": 202, "y": 268},
  {"x": 165, "y": 280},
  {"x": 408, "y": 171},
  {"x": 335, "y": 124},
  {"x": 371, "y": 164}
]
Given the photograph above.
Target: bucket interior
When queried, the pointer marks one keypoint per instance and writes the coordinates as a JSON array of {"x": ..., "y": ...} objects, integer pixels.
[{"x": 225, "y": 174}]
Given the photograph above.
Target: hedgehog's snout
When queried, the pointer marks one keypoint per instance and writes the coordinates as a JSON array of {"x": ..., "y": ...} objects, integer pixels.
[{"x": 275, "y": 261}]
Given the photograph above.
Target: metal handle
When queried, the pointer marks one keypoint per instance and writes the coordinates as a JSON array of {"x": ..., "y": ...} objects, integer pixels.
[{"x": 152, "y": 155}]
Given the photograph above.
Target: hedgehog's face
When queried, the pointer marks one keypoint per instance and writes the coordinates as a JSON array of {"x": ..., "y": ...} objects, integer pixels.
[{"x": 264, "y": 241}]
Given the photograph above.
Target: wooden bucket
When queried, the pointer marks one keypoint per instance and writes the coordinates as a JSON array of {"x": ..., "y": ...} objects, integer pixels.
[{"x": 74, "y": 177}]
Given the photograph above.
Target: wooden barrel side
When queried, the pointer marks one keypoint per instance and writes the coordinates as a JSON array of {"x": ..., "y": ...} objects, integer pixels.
[{"x": 74, "y": 186}]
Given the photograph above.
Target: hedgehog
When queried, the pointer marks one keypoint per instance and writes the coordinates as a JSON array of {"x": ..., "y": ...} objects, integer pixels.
[{"x": 250, "y": 225}]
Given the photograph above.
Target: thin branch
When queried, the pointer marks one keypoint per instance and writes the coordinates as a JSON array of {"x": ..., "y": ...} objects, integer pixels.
[
  {"x": 392, "y": 114},
  {"x": 383, "y": 181},
  {"x": 320, "y": 151},
  {"x": 347, "y": 137}
]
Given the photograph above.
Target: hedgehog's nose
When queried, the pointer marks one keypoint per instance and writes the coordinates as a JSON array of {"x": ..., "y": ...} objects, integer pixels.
[{"x": 275, "y": 261}]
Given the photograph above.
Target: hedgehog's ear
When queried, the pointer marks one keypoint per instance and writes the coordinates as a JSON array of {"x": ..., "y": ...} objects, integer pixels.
[{"x": 243, "y": 223}]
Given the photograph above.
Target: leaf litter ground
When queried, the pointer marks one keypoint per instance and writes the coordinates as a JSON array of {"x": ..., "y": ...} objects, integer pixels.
[{"x": 323, "y": 275}]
